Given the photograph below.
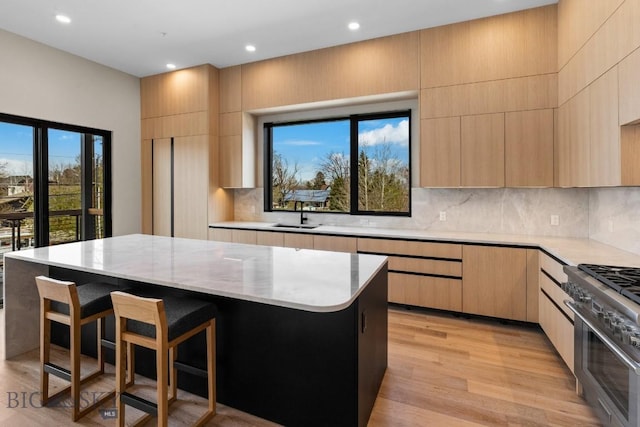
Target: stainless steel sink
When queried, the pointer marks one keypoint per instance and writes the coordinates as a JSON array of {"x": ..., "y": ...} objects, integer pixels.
[{"x": 302, "y": 226}]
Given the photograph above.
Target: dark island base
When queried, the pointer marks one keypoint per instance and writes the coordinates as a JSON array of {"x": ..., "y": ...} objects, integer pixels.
[{"x": 293, "y": 367}]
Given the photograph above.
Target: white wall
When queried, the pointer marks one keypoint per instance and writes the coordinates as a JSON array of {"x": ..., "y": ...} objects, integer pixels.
[{"x": 41, "y": 82}]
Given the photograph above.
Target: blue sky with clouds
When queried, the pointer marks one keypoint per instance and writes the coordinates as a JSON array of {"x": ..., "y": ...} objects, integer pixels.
[
  {"x": 16, "y": 148},
  {"x": 307, "y": 144}
]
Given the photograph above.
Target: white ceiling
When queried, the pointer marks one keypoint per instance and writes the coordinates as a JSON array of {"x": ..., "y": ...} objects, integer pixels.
[{"x": 140, "y": 36}]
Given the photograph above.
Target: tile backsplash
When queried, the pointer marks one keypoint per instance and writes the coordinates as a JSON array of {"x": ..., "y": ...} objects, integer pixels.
[
  {"x": 609, "y": 215},
  {"x": 614, "y": 217},
  {"x": 495, "y": 210}
]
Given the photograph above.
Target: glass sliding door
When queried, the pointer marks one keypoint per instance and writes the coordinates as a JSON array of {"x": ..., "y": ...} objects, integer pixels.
[
  {"x": 55, "y": 183},
  {"x": 64, "y": 165},
  {"x": 16, "y": 186},
  {"x": 95, "y": 211}
]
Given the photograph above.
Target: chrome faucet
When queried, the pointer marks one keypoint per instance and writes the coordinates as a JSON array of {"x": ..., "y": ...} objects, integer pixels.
[{"x": 303, "y": 219}]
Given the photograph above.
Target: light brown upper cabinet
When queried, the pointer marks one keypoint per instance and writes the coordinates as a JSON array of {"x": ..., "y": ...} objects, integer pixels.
[
  {"x": 482, "y": 150},
  {"x": 180, "y": 189},
  {"x": 440, "y": 152},
  {"x": 178, "y": 92},
  {"x": 629, "y": 81},
  {"x": 495, "y": 48},
  {"x": 604, "y": 147},
  {"x": 237, "y": 150},
  {"x": 237, "y": 161},
  {"x": 371, "y": 67},
  {"x": 573, "y": 143},
  {"x": 529, "y": 148}
]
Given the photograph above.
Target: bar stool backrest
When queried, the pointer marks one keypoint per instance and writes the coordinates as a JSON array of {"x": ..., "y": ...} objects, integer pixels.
[
  {"x": 58, "y": 290},
  {"x": 146, "y": 310}
]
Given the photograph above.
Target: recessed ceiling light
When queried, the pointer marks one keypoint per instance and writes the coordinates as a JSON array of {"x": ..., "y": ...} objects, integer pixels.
[
  {"x": 353, "y": 26},
  {"x": 250, "y": 48},
  {"x": 63, "y": 19},
  {"x": 171, "y": 66}
]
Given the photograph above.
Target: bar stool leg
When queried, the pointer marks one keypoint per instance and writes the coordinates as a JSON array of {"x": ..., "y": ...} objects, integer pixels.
[
  {"x": 45, "y": 339},
  {"x": 162, "y": 382},
  {"x": 120, "y": 362},
  {"x": 211, "y": 365},
  {"x": 74, "y": 351},
  {"x": 173, "y": 374},
  {"x": 100, "y": 332},
  {"x": 131, "y": 365}
]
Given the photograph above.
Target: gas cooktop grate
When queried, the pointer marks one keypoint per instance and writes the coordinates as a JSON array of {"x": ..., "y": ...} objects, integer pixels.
[{"x": 625, "y": 280}]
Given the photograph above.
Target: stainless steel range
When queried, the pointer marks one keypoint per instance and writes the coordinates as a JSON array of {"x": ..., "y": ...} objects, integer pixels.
[{"x": 606, "y": 304}]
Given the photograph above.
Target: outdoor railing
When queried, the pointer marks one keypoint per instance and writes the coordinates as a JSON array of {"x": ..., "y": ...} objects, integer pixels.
[{"x": 57, "y": 231}]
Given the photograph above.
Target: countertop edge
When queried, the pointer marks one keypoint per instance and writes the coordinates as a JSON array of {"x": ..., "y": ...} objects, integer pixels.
[
  {"x": 18, "y": 255},
  {"x": 566, "y": 250}
]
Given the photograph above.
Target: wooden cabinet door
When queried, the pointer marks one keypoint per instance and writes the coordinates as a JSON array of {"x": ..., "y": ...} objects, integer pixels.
[
  {"x": 248, "y": 237},
  {"x": 191, "y": 187},
  {"x": 298, "y": 240},
  {"x": 574, "y": 141},
  {"x": 494, "y": 281},
  {"x": 529, "y": 148},
  {"x": 335, "y": 243},
  {"x": 482, "y": 150},
  {"x": 440, "y": 152},
  {"x": 221, "y": 235},
  {"x": 604, "y": 148},
  {"x": 270, "y": 238},
  {"x": 162, "y": 183}
]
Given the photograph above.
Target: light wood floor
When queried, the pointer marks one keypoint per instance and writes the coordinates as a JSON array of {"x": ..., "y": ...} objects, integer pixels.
[{"x": 443, "y": 371}]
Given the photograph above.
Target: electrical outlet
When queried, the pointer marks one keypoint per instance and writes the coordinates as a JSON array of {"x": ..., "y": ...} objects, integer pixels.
[
  {"x": 555, "y": 220},
  {"x": 443, "y": 216},
  {"x": 364, "y": 222},
  {"x": 610, "y": 226}
]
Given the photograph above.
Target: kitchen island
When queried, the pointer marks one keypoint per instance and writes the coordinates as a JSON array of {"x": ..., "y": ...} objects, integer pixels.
[{"x": 301, "y": 334}]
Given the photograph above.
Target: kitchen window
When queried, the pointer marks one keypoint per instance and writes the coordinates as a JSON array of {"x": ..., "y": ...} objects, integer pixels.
[{"x": 359, "y": 164}]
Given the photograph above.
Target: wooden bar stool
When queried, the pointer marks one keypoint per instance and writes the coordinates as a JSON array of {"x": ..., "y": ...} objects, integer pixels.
[
  {"x": 161, "y": 324},
  {"x": 74, "y": 306}
]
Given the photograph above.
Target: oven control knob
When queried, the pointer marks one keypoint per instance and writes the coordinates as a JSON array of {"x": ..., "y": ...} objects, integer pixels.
[
  {"x": 626, "y": 332},
  {"x": 634, "y": 339}
]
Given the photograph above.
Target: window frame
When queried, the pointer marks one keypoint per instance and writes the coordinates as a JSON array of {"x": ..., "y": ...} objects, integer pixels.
[
  {"x": 354, "y": 120},
  {"x": 41, "y": 172}
]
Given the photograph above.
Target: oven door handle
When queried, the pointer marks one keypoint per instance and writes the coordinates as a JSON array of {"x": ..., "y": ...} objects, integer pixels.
[{"x": 631, "y": 364}]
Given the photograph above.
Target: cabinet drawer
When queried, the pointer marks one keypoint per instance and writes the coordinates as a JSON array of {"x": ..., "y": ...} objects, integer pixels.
[
  {"x": 425, "y": 291},
  {"x": 298, "y": 240},
  {"x": 220, "y": 234},
  {"x": 555, "y": 293},
  {"x": 425, "y": 266},
  {"x": 558, "y": 329},
  {"x": 403, "y": 247},
  {"x": 244, "y": 236},
  {"x": 552, "y": 267},
  {"x": 335, "y": 243},
  {"x": 270, "y": 238}
]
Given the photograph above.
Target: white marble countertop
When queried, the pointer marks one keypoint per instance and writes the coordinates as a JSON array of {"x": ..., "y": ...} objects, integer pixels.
[
  {"x": 301, "y": 279},
  {"x": 572, "y": 251}
]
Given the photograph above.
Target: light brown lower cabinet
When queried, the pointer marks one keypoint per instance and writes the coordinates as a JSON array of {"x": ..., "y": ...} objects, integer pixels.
[
  {"x": 416, "y": 271},
  {"x": 494, "y": 281},
  {"x": 298, "y": 240},
  {"x": 491, "y": 281},
  {"x": 425, "y": 291},
  {"x": 335, "y": 243},
  {"x": 555, "y": 319},
  {"x": 270, "y": 238}
]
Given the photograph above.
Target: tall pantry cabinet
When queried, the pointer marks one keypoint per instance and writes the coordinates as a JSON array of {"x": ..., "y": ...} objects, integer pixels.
[{"x": 181, "y": 193}]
